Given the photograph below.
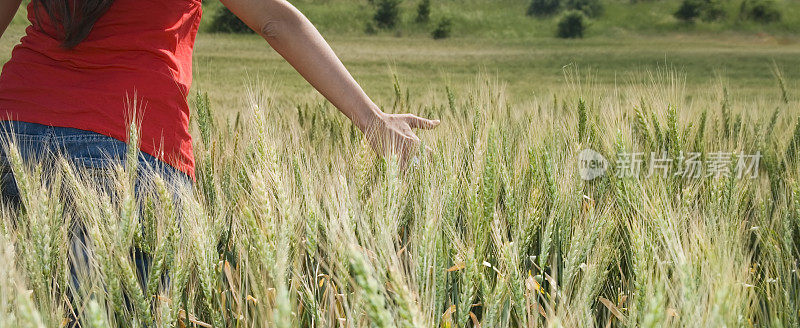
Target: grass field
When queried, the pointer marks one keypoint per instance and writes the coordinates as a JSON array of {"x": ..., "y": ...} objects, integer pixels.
[
  {"x": 528, "y": 63},
  {"x": 294, "y": 222},
  {"x": 529, "y": 68},
  {"x": 496, "y": 38}
]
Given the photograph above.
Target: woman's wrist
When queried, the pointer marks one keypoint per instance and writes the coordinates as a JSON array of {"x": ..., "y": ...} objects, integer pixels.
[{"x": 366, "y": 117}]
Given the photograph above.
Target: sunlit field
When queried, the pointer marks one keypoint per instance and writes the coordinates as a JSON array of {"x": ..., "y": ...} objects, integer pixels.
[
  {"x": 529, "y": 210},
  {"x": 294, "y": 222}
]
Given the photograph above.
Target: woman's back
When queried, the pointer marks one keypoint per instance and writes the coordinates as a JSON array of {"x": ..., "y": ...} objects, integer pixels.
[{"x": 138, "y": 47}]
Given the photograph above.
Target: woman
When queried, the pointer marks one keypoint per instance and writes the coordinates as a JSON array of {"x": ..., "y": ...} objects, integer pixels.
[{"x": 70, "y": 81}]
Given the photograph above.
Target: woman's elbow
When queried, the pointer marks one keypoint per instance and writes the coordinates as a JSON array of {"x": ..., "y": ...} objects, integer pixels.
[
  {"x": 284, "y": 19},
  {"x": 272, "y": 29}
]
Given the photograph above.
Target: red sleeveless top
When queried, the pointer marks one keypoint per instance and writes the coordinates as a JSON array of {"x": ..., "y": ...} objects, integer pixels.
[{"x": 140, "y": 48}]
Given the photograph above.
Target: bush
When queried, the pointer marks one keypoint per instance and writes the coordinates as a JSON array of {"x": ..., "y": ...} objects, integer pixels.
[
  {"x": 688, "y": 11},
  {"x": 423, "y": 11},
  {"x": 592, "y": 8},
  {"x": 442, "y": 29},
  {"x": 370, "y": 28},
  {"x": 572, "y": 25},
  {"x": 713, "y": 10},
  {"x": 544, "y": 8},
  {"x": 387, "y": 14},
  {"x": 707, "y": 10},
  {"x": 762, "y": 11},
  {"x": 225, "y": 21}
]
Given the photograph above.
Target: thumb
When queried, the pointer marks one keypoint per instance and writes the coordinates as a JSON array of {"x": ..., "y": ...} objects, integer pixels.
[{"x": 416, "y": 122}]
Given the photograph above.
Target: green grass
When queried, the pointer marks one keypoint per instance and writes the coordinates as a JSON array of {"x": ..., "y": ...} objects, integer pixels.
[
  {"x": 506, "y": 19},
  {"x": 527, "y": 67},
  {"x": 529, "y": 64},
  {"x": 496, "y": 38}
]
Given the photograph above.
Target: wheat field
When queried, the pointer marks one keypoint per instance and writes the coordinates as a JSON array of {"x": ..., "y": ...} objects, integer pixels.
[{"x": 294, "y": 222}]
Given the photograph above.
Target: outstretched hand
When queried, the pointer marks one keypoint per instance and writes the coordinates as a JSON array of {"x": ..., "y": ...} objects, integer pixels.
[{"x": 392, "y": 134}]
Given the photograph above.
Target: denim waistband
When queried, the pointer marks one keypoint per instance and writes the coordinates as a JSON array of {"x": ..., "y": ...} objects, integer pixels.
[{"x": 37, "y": 142}]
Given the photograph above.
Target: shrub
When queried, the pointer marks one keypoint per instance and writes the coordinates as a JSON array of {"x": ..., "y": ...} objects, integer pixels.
[
  {"x": 707, "y": 10},
  {"x": 370, "y": 28},
  {"x": 689, "y": 10},
  {"x": 387, "y": 14},
  {"x": 713, "y": 10},
  {"x": 442, "y": 29},
  {"x": 572, "y": 25},
  {"x": 225, "y": 21},
  {"x": 544, "y": 8},
  {"x": 762, "y": 11},
  {"x": 592, "y": 8},
  {"x": 423, "y": 11}
]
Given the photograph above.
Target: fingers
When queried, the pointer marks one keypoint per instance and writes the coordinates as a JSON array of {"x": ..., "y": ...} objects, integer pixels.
[
  {"x": 396, "y": 138},
  {"x": 416, "y": 122},
  {"x": 411, "y": 154},
  {"x": 405, "y": 147}
]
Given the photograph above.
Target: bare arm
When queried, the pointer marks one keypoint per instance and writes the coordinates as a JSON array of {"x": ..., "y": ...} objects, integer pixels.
[
  {"x": 293, "y": 36},
  {"x": 7, "y": 10}
]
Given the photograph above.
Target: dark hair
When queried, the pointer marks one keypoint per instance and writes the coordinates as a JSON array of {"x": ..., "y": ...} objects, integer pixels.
[{"x": 73, "y": 19}]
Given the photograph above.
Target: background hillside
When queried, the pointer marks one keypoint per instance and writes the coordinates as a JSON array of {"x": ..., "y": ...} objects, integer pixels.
[{"x": 508, "y": 19}]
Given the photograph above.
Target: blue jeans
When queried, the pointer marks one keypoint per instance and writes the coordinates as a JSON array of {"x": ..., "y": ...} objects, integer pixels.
[{"x": 87, "y": 150}]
